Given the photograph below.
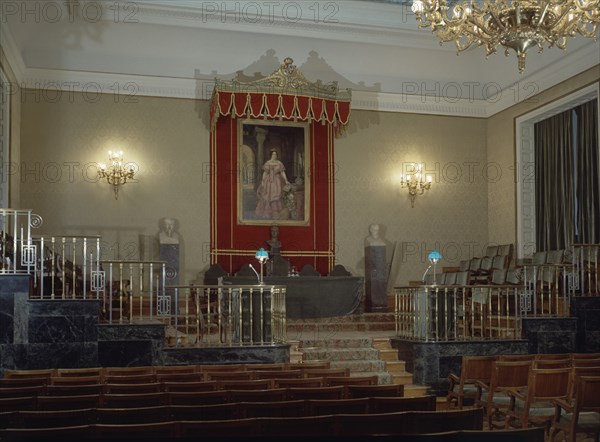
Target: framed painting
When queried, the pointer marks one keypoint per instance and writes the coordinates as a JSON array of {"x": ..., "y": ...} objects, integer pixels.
[{"x": 273, "y": 180}]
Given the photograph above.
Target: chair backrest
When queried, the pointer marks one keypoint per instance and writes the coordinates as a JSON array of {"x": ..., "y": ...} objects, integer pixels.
[
  {"x": 526, "y": 357},
  {"x": 513, "y": 276},
  {"x": 476, "y": 368},
  {"x": 486, "y": 263},
  {"x": 351, "y": 380},
  {"x": 325, "y": 372},
  {"x": 462, "y": 278},
  {"x": 450, "y": 278},
  {"x": 463, "y": 265},
  {"x": 321, "y": 407},
  {"x": 499, "y": 262},
  {"x": 278, "y": 374},
  {"x": 474, "y": 264},
  {"x": 587, "y": 394},
  {"x": 499, "y": 276},
  {"x": 509, "y": 374},
  {"x": 189, "y": 386},
  {"x": 251, "y": 384},
  {"x": 37, "y": 374},
  {"x": 539, "y": 258},
  {"x": 301, "y": 382},
  {"x": 544, "y": 384},
  {"x": 382, "y": 390},
  {"x": 263, "y": 395},
  {"x": 491, "y": 251},
  {"x": 336, "y": 392},
  {"x": 578, "y": 372},
  {"x": 397, "y": 404},
  {"x": 555, "y": 256}
]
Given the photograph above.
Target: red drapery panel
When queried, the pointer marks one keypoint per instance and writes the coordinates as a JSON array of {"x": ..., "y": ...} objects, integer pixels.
[
  {"x": 241, "y": 115},
  {"x": 279, "y": 105}
]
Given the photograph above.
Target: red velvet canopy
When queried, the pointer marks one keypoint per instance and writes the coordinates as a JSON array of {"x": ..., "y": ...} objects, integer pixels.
[{"x": 264, "y": 106}]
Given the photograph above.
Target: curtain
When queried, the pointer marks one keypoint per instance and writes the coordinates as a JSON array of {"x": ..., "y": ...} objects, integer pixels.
[
  {"x": 567, "y": 185},
  {"x": 554, "y": 185},
  {"x": 588, "y": 183}
]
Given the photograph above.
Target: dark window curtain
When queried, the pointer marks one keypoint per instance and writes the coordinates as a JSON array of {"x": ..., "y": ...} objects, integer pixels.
[
  {"x": 588, "y": 181},
  {"x": 554, "y": 198}
]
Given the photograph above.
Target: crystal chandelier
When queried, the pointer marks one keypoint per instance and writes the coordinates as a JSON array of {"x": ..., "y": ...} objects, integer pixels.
[{"x": 517, "y": 25}]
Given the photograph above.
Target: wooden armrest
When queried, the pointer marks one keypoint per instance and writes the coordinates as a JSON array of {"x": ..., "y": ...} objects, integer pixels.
[
  {"x": 452, "y": 377},
  {"x": 516, "y": 394},
  {"x": 565, "y": 405}
]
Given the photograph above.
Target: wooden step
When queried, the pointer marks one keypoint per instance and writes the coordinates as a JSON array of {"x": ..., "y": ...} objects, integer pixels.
[
  {"x": 388, "y": 355},
  {"x": 411, "y": 390}
]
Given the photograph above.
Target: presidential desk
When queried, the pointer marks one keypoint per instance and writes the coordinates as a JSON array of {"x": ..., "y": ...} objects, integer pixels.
[{"x": 314, "y": 296}]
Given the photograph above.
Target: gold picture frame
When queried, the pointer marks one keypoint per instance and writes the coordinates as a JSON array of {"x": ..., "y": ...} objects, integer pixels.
[{"x": 274, "y": 176}]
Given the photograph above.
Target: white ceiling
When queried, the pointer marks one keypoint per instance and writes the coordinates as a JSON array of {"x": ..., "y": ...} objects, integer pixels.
[{"x": 177, "y": 47}]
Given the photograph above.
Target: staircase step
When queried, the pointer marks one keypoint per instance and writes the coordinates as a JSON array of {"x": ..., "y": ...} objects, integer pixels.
[
  {"x": 402, "y": 378},
  {"x": 336, "y": 343},
  {"x": 388, "y": 355},
  {"x": 360, "y": 366},
  {"x": 411, "y": 390},
  {"x": 395, "y": 367},
  {"x": 340, "y": 354}
]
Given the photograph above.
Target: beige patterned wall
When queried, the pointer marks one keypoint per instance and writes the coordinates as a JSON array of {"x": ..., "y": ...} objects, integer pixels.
[
  {"x": 168, "y": 138},
  {"x": 452, "y": 216},
  {"x": 502, "y": 196}
]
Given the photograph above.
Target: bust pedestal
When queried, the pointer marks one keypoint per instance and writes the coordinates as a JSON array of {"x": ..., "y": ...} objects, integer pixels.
[{"x": 375, "y": 279}]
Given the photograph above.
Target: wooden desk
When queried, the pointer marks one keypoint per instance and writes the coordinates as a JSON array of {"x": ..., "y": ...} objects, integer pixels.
[{"x": 315, "y": 296}]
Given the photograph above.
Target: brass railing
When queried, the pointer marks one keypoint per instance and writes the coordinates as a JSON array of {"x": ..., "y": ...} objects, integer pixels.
[
  {"x": 448, "y": 313},
  {"x": 230, "y": 315},
  {"x": 549, "y": 288},
  {"x": 17, "y": 252},
  {"x": 586, "y": 269},
  {"x": 67, "y": 267},
  {"x": 136, "y": 291}
]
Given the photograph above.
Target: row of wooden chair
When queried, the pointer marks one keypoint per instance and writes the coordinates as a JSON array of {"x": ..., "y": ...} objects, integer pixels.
[
  {"x": 232, "y": 410},
  {"x": 519, "y": 392},
  {"x": 162, "y": 370},
  {"x": 480, "y": 368},
  {"x": 333, "y": 425},
  {"x": 367, "y": 383},
  {"x": 128, "y": 400}
]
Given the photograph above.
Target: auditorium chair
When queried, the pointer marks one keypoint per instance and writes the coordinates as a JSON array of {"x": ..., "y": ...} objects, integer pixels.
[
  {"x": 69, "y": 433},
  {"x": 24, "y": 374},
  {"x": 286, "y": 408},
  {"x": 249, "y": 384},
  {"x": 152, "y": 430},
  {"x": 228, "y": 375},
  {"x": 151, "y": 387},
  {"x": 301, "y": 382},
  {"x": 208, "y": 412},
  {"x": 308, "y": 364},
  {"x": 133, "y": 400},
  {"x": 237, "y": 429},
  {"x": 180, "y": 377},
  {"x": 80, "y": 372},
  {"x": 175, "y": 369},
  {"x": 129, "y": 378},
  {"x": 532, "y": 405},
  {"x": 472, "y": 369},
  {"x": 198, "y": 397},
  {"x": 133, "y": 415},
  {"x": 331, "y": 381},
  {"x": 77, "y": 380},
  {"x": 56, "y": 418},
  {"x": 277, "y": 374},
  {"x": 189, "y": 386},
  {"x": 27, "y": 391},
  {"x": 128, "y": 371},
  {"x": 8, "y": 404},
  {"x": 336, "y": 392},
  {"x": 74, "y": 390},
  {"x": 23, "y": 382},
  {"x": 380, "y": 390},
  {"x": 322, "y": 407},
  {"x": 492, "y": 395},
  {"x": 325, "y": 372},
  {"x": 262, "y": 395},
  {"x": 582, "y": 413},
  {"x": 68, "y": 402},
  {"x": 296, "y": 426},
  {"x": 381, "y": 404}
]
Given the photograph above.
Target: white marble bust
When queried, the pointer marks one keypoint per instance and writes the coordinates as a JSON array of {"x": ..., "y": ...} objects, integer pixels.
[
  {"x": 167, "y": 234},
  {"x": 373, "y": 239}
]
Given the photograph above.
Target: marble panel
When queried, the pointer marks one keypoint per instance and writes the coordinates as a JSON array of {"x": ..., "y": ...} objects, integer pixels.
[
  {"x": 130, "y": 353},
  {"x": 227, "y": 355},
  {"x": 56, "y": 329},
  {"x": 110, "y": 332},
  {"x": 64, "y": 355},
  {"x": 66, "y": 307}
]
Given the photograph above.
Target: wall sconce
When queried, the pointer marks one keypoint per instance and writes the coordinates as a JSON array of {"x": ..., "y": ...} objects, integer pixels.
[
  {"x": 117, "y": 173},
  {"x": 263, "y": 256},
  {"x": 414, "y": 182}
]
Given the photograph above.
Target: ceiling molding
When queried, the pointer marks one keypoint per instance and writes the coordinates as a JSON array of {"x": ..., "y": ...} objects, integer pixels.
[{"x": 12, "y": 54}]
